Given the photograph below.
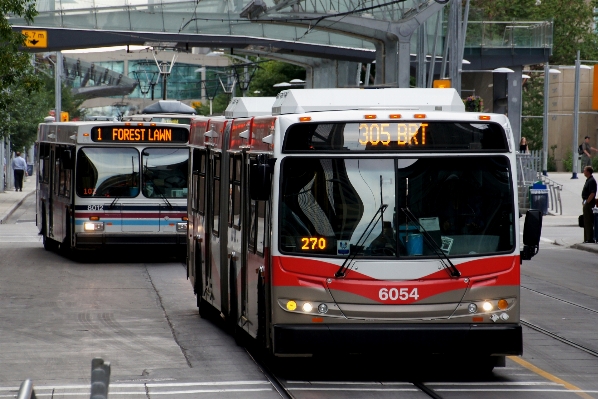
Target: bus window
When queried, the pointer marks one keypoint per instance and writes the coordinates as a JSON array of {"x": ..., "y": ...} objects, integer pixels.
[
  {"x": 165, "y": 172},
  {"x": 107, "y": 172},
  {"x": 44, "y": 163},
  {"x": 235, "y": 201},
  {"x": 198, "y": 173},
  {"x": 257, "y": 230},
  {"x": 216, "y": 195}
]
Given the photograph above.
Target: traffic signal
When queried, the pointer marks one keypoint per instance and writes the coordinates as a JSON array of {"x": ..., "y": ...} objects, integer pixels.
[{"x": 64, "y": 116}]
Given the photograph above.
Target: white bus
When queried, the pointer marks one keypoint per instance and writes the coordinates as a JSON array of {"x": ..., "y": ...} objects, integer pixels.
[
  {"x": 105, "y": 184},
  {"x": 361, "y": 221}
]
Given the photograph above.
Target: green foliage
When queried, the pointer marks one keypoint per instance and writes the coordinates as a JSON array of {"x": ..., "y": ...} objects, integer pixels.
[
  {"x": 474, "y": 104},
  {"x": 533, "y": 104},
  {"x": 219, "y": 104},
  {"x": 271, "y": 73},
  {"x": 23, "y": 111},
  {"x": 551, "y": 161},
  {"x": 573, "y": 23},
  {"x": 17, "y": 76},
  {"x": 568, "y": 161}
]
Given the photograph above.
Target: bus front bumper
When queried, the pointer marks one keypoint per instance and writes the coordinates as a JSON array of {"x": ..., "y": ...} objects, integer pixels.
[
  {"x": 85, "y": 240},
  {"x": 434, "y": 339}
]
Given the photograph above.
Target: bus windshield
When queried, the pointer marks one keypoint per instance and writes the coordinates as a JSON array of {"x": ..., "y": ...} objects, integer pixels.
[
  {"x": 165, "y": 172},
  {"x": 107, "y": 172},
  {"x": 465, "y": 204}
]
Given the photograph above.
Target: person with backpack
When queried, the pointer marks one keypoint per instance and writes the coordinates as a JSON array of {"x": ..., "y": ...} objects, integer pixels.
[{"x": 585, "y": 150}]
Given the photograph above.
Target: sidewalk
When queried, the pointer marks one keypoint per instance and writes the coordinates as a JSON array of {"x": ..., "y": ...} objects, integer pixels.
[
  {"x": 11, "y": 200},
  {"x": 572, "y": 208}
]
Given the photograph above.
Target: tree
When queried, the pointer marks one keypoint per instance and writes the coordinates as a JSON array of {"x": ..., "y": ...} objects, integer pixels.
[
  {"x": 572, "y": 29},
  {"x": 18, "y": 80},
  {"x": 267, "y": 75},
  {"x": 273, "y": 72}
]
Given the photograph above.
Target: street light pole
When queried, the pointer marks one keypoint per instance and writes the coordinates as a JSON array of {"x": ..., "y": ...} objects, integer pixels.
[
  {"x": 575, "y": 117},
  {"x": 545, "y": 120}
]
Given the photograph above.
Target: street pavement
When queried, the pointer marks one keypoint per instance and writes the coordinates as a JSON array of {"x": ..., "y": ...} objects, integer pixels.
[
  {"x": 563, "y": 227},
  {"x": 10, "y": 199}
]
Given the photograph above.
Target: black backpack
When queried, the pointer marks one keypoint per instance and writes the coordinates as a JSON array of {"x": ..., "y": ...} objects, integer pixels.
[{"x": 580, "y": 149}]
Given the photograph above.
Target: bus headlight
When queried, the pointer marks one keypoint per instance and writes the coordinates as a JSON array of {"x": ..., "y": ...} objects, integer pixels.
[
  {"x": 181, "y": 226},
  {"x": 487, "y": 306},
  {"x": 307, "y": 307},
  {"x": 93, "y": 226}
]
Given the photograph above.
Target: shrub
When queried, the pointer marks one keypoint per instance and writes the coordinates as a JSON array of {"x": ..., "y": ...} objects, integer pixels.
[{"x": 568, "y": 161}]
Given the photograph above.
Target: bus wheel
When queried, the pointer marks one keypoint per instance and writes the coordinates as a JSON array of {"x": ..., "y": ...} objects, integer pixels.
[
  {"x": 49, "y": 244},
  {"x": 65, "y": 245}
]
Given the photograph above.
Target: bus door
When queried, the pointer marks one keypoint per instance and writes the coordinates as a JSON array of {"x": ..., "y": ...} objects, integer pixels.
[
  {"x": 60, "y": 217},
  {"x": 198, "y": 251},
  {"x": 213, "y": 190},
  {"x": 237, "y": 247},
  {"x": 256, "y": 231}
]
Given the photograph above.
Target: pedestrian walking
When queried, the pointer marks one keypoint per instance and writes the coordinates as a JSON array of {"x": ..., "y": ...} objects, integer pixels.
[
  {"x": 20, "y": 169},
  {"x": 588, "y": 195},
  {"x": 586, "y": 155}
]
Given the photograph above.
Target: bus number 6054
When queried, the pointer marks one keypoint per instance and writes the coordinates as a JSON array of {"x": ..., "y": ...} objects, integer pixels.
[{"x": 393, "y": 294}]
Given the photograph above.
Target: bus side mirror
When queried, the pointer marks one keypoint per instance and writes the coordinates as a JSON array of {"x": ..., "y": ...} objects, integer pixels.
[
  {"x": 66, "y": 158},
  {"x": 532, "y": 230},
  {"x": 260, "y": 178}
]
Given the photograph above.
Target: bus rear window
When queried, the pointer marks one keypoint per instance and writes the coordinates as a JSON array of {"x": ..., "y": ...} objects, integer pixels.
[{"x": 404, "y": 136}]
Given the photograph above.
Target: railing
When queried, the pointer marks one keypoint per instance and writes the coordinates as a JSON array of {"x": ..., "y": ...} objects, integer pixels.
[
  {"x": 509, "y": 34},
  {"x": 100, "y": 379},
  {"x": 529, "y": 168}
]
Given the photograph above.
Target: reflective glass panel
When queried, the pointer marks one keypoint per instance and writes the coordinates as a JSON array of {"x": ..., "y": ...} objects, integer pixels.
[
  {"x": 107, "y": 172},
  {"x": 165, "y": 172},
  {"x": 396, "y": 207}
]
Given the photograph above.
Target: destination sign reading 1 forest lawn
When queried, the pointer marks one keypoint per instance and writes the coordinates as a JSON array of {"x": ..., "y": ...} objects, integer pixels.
[{"x": 139, "y": 134}]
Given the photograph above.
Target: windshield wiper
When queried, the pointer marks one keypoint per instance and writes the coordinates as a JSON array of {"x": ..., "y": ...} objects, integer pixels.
[
  {"x": 113, "y": 202},
  {"x": 450, "y": 268},
  {"x": 159, "y": 190},
  {"x": 354, "y": 249}
]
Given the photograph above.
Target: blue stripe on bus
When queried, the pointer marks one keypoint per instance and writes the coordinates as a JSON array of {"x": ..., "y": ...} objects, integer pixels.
[{"x": 128, "y": 222}]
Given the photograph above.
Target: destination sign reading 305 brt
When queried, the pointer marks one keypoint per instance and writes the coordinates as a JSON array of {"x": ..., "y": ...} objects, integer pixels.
[{"x": 139, "y": 134}]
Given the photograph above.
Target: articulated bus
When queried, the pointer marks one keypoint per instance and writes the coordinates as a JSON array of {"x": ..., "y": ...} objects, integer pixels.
[
  {"x": 361, "y": 221},
  {"x": 105, "y": 183}
]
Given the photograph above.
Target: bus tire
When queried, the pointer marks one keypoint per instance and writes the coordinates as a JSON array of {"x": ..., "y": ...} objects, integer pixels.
[
  {"x": 198, "y": 284},
  {"x": 49, "y": 244},
  {"x": 65, "y": 245}
]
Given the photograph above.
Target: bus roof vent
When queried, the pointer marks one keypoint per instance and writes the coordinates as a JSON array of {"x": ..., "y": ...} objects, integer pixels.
[
  {"x": 244, "y": 107},
  {"x": 298, "y": 101}
]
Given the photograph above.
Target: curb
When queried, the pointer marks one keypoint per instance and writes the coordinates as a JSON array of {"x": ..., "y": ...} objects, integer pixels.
[
  {"x": 15, "y": 206},
  {"x": 586, "y": 247}
]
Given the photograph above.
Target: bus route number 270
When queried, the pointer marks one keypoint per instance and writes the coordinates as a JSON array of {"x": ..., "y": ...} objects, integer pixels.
[{"x": 401, "y": 294}]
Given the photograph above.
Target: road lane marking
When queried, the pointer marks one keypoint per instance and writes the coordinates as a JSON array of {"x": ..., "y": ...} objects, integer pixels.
[{"x": 550, "y": 377}]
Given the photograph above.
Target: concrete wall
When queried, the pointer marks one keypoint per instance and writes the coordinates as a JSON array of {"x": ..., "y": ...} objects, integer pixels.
[{"x": 560, "y": 124}]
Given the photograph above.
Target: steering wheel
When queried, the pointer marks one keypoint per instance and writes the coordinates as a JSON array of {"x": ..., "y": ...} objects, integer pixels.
[{"x": 175, "y": 181}]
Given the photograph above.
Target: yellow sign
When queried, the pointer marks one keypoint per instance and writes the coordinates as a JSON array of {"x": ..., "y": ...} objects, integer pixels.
[
  {"x": 36, "y": 38},
  {"x": 64, "y": 116}
]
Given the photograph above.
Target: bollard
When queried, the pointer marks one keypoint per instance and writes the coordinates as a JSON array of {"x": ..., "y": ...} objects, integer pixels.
[
  {"x": 26, "y": 390},
  {"x": 100, "y": 378}
]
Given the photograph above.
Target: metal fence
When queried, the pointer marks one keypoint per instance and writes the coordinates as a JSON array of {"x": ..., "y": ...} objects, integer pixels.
[{"x": 529, "y": 171}]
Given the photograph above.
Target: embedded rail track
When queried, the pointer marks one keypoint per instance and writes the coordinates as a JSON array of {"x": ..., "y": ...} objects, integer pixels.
[{"x": 555, "y": 335}]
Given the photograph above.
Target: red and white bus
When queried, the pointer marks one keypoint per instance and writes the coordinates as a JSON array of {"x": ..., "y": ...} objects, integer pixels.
[{"x": 361, "y": 221}]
